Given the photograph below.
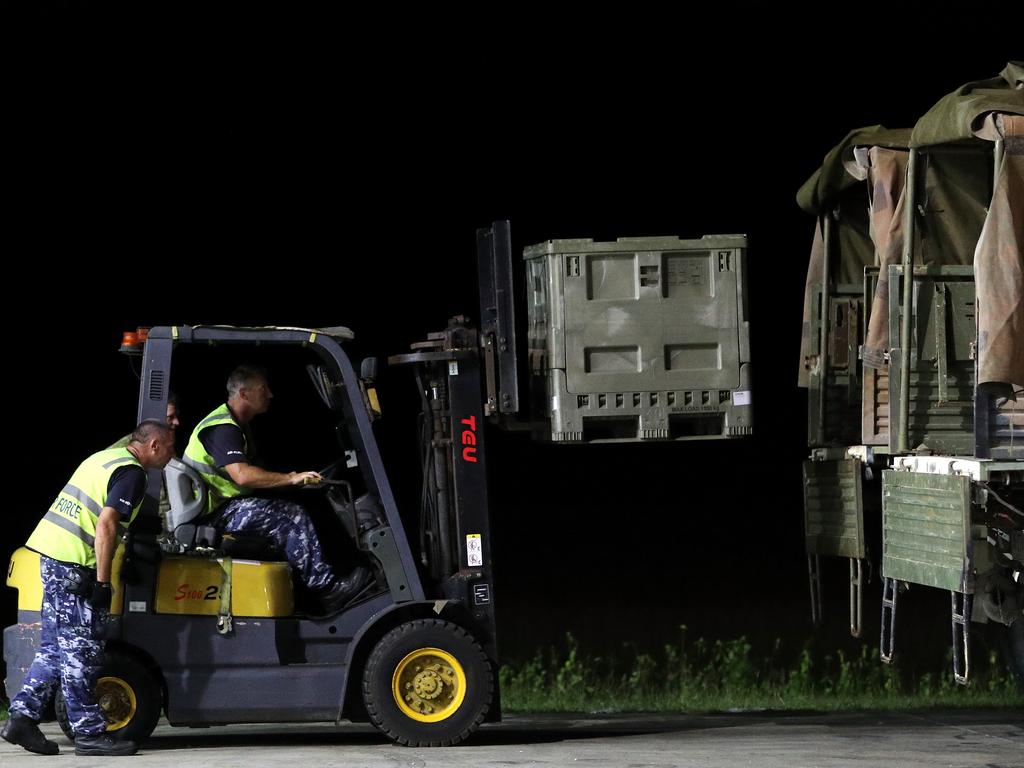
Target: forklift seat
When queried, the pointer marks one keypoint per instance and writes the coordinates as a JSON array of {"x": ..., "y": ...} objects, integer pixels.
[{"x": 187, "y": 494}]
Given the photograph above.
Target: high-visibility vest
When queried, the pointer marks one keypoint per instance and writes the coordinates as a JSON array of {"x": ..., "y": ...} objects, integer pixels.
[
  {"x": 67, "y": 531},
  {"x": 219, "y": 482}
]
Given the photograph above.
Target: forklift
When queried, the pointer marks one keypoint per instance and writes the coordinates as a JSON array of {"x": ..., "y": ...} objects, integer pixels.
[
  {"x": 212, "y": 630},
  {"x": 209, "y": 637}
]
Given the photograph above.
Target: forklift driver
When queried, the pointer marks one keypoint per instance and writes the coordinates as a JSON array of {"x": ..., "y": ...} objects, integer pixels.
[{"x": 219, "y": 451}]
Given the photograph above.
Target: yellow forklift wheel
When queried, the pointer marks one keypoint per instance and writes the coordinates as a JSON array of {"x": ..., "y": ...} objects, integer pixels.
[
  {"x": 128, "y": 694},
  {"x": 428, "y": 685},
  {"x": 117, "y": 700}
]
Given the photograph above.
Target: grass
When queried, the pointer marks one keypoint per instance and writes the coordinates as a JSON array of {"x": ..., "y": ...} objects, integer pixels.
[{"x": 724, "y": 675}]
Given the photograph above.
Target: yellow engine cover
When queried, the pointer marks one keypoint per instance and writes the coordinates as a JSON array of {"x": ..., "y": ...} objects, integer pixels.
[
  {"x": 192, "y": 585},
  {"x": 23, "y": 575}
]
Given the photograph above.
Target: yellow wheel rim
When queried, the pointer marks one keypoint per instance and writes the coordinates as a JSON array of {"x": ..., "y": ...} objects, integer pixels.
[
  {"x": 429, "y": 685},
  {"x": 117, "y": 700}
]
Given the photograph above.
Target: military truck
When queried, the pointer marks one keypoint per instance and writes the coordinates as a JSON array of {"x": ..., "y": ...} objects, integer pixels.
[
  {"x": 952, "y": 502},
  {"x": 850, "y": 195},
  {"x": 941, "y": 345}
]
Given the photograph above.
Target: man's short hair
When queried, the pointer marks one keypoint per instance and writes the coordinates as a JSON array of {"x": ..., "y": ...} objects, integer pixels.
[
  {"x": 150, "y": 429},
  {"x": 244, "y": 376}
]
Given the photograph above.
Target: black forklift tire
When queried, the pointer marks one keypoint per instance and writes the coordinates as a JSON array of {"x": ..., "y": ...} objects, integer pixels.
[
  {"x": 427, "y": 683},
  {"x": 129, "y": 695}
]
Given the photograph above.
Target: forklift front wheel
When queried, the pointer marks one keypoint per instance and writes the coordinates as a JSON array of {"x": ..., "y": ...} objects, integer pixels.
[
  {"x": 127, "y": 693},
  {"x": 427, "y": 683}
]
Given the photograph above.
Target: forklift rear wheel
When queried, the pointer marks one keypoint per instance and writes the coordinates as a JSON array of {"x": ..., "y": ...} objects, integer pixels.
[
  {"x": 427, "y": 683},
  {"x": 129, "y": 696}
]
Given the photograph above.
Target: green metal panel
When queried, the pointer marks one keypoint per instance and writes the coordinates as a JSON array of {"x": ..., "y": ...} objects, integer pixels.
[
  {"x": 842, "y": 369},
  {"x": 943, "y": 399},
  {"x": 941, "y": 379},
  {"x": 926, "y": 529},
  {"x": 834, "y": 508},
  {"x": 875, "y": 398},
  {"x": 1006, "y": 429}
]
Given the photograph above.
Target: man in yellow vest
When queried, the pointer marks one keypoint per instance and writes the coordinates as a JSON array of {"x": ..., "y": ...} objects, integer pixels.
[
  {"x": 172, "y": 421},
  {"x": 76, "y": 541},
  {"x": 219, "y": 450}
]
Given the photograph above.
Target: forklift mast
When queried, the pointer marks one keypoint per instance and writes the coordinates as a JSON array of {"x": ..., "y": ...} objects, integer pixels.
[
  {"x": 497, "y": 319},
  {"x": 465, "y": 375}
]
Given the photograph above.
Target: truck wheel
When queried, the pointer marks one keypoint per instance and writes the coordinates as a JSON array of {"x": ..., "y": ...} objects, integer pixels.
[
  {"x": 129, "y": 696},
  {"x": 427, "y": 683}
]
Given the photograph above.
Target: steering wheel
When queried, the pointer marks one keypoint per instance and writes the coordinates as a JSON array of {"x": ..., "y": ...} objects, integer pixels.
[
  {"x": 333, "y": 468},
  {"x": 326, "y": 473}
]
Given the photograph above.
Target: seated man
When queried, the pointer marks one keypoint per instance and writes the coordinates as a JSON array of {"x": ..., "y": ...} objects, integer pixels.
[{"x": 219, "y": 451}]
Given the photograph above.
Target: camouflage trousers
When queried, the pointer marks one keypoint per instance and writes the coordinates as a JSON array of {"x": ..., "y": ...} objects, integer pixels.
[
  {"x": 70, "y": 655},
  {"x": 288, "y": 526}
]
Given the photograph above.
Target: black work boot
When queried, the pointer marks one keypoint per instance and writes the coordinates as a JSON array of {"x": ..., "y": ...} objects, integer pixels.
[
  {"x": 24, "y": 731},
  {"x": 104, "y": 744},
  {"x": 335, "y": 597}
]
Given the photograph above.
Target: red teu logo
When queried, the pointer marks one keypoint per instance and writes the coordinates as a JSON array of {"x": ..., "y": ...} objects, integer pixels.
[{"x": 469, "y": 440}]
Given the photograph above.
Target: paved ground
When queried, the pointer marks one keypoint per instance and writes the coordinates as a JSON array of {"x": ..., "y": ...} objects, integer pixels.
[{"x": 988, "y": 739}]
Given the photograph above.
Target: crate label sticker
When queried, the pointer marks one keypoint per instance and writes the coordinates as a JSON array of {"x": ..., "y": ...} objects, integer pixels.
[
  {"x": 136, "y": 606},
  {"x": 742, "y": 397},
  {"x": 453, "y": 368},
  {"x": 690, "y": 269},
  {"x": 481, "y": 594},
  {"x": 474, "y": 549}
]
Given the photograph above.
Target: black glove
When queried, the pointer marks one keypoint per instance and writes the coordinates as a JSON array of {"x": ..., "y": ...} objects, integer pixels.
[
  {"x": 102, "y": 593},
  {"x": 79, "y": 581}
]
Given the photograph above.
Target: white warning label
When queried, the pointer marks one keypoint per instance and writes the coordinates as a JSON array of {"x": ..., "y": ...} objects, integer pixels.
[{"x": 474, "y": 549}]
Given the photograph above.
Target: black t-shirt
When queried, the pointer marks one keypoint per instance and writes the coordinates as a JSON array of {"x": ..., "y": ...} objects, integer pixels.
[
  {"x": 125, "y": 489},
  {"x": 225, "y": 443}
]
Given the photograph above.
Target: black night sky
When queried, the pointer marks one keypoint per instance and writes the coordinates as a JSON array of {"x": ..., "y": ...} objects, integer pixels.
[{"x": 312, "y": 185}]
